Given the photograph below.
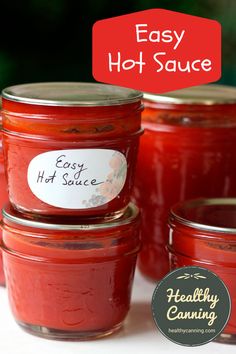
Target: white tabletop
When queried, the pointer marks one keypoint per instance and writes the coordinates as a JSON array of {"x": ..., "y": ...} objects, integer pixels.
[{"x": 139, "y": 334}]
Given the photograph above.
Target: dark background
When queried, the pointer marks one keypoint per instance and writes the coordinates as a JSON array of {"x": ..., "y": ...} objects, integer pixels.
[{"x": 50, "y": 40}]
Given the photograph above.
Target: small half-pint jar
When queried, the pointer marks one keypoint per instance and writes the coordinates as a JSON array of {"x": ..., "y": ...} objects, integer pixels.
[
  {"x": 70, "y": 148},
  {"x": 203, "y": 233},
  {"x": 70, "y": 281}
]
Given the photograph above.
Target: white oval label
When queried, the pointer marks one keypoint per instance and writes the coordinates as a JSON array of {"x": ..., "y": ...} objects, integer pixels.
[{"x": 77, "y": 179}]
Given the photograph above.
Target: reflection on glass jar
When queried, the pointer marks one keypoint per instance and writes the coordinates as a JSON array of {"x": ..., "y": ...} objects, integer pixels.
[
  {"x": 69, "y": 281},
  {"x": 188, "y": 150},
  {"x": 203, "y": 233},
  {"x": 3, "y": 197},
  {"x": 71, "y": 147}
]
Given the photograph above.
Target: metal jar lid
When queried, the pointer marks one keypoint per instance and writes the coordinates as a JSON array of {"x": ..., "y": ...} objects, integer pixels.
[
  {"x": 206, "y": 214},
  {"x": 71, "y": 94},
  {"x": 202, "y": 95},
  {"x": 10, "y": 215}
]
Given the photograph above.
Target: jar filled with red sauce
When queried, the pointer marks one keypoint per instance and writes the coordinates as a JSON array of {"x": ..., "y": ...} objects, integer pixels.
[
  {"x": 69, "y": 281},
  {"x": 70, "y": 148},
  {"x": 203, "y": 233},
  {"x": 188, "y": 151},
  {"x": 3, "y": 196}
]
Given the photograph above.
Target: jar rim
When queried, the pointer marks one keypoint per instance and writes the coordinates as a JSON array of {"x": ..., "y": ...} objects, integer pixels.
[
  {"x": 71, "y": 94},
  {"x": 130, "y": 214},
  {"x": 188, "y": 213},
  {"x": 196, "y": 95}
]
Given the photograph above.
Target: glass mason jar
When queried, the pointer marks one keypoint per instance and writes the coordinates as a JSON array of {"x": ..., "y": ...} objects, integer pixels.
[
  {"x": 70, "y": 148},
  {"x": 3, "y": 197},
  {"x": 69, "y": 281},
  {"x": 188, "y": 150},
  {"x": 203, "y": 233}
]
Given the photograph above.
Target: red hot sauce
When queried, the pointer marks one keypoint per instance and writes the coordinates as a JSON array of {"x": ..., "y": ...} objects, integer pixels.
[
  {"x": 3, "y": 198},
  {"x": 70, "y": 148},
  {"x": 70, "y": 281},
  {"x": 203, "y": 233},
  {"x": 188, "y": 150}
]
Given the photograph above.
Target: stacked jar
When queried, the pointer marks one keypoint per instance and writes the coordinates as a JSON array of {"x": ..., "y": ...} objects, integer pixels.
[
  {"x": 188, "y": 150},
  {"x": 70, "y": 234}
]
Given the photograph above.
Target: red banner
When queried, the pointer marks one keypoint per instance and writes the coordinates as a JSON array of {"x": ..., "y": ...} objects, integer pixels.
[{"x": 157, "y": 50}]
